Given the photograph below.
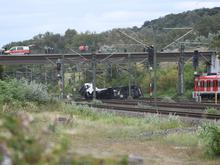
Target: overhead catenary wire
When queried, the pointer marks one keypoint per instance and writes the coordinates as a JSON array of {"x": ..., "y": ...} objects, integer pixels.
[
  {"x": 79, "y": 54},
  {"x": 134, "y": 39},
  {"x": 177, "y": 38}
]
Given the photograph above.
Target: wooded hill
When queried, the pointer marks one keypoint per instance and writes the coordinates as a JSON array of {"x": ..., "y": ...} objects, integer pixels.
[
  {"x": 205, "y": 21},
  {"x": 206, "y": 24}
]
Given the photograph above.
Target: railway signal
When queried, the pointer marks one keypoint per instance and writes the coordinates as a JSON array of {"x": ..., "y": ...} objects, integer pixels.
[
  {"x": 60, "y": 75},
  {"x": 59, "y": 67},
  {"x": 195, "y": 59},
  {"x": 150, "y": 55}
]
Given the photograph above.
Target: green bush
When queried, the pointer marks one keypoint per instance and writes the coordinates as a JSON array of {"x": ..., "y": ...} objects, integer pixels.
[
  {"x": 210, "y": 133},
  {"x": 35, "y": 92},
  {"x": 23, "y": 146},
  {"x": 13, "y": 90},
  {"x": 167, "y": 79}
]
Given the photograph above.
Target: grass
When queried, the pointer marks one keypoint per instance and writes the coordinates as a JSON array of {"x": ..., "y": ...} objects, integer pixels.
[
  {"x": 212, "y": 110},
  {"x": 150, "y": 122},
  {"x": 101, "y": 134},
  {"x": 183, "y": 139}
]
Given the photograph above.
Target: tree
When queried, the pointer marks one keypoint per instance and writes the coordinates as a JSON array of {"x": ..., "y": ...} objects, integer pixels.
[
  {"x": 1, "y": 72},
  {"x": 69, "y": 35}
]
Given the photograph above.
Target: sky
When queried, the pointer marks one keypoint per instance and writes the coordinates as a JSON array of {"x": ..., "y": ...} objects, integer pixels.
[{"x": 23, "y": 19}]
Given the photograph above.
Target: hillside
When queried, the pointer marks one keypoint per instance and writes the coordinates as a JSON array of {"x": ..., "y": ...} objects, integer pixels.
[
  {"x": 205, "y": 22},
  {"x": 193, "y": 18}
]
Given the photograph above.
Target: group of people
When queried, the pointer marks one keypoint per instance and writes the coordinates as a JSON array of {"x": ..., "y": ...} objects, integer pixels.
[
  {"x": 2, "y": 51},
  {"x": 48, "y": 50}
]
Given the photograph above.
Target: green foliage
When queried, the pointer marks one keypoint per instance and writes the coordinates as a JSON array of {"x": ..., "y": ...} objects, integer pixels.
[
  {"x": 96, "y": 102},
  {"x": 24, "y": 149},
  {"x": 35, "y": 92},
  {"x": 188, "y": 93},
  {"x": 69, "y": 35},
  {"x": 209, "y": 24},
  {"x": 189, "y": 76},
  {"x": 167, "y": 99},
  {"x": 188, "y": 19},
  {"x": 13, "y": 90},
  {"x": 167, "y": 79},
  {"x": 212, "y": 110},
  {"x": 210, "y": 134},
  {"x": 23, "y": 146},
  {"x": 1, "y": 71},
  {"x": 216, "y": 41}
]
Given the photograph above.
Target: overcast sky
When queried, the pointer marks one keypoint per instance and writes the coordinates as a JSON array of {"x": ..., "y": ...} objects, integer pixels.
[{"x": 23, "y": 19}]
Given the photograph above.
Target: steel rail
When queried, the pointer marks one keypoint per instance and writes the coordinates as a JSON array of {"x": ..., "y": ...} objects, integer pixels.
[
  {"x": 184, "y": 105},
  {"x": 156, "y": 111}
]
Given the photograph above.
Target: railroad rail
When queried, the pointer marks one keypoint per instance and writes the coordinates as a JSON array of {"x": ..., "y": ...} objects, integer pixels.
[
  {"x": 184, "y": 105},
  {"x": 150, "y": 109}
]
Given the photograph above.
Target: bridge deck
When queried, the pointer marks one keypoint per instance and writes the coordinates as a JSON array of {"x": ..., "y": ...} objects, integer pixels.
[{"x": 101, "y": 57}]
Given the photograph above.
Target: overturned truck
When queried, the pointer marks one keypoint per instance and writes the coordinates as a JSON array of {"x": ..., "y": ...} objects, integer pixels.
[{"x": 86, "y": 91}]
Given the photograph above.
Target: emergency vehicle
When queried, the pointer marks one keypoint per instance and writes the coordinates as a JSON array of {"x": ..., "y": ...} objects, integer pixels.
[{"x": 18, "y": 50}]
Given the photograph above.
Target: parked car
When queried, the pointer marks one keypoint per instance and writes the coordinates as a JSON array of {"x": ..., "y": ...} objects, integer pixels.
[{"x": 18, "y": 50}]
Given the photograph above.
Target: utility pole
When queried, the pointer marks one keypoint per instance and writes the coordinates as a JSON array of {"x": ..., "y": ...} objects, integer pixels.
[
  {"x": 154, "y": 60},
  {"x": 94, "y": 74},
  {"x": 181, "y": 58},
  {"x": 129, "y": 72},
  {"x": 155, "y": 69},
  {"x": 60, "y": 75},
  {"x": 150, "y": 85},
  {"x": 181, "y": 71}
]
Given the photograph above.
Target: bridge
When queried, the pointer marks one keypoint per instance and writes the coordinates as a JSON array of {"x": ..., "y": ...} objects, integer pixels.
[{"x": 100, "y": 57}]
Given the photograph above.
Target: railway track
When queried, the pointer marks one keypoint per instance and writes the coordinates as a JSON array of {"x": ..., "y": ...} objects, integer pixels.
[
  {"x": 131, "y": 107},
  {"x": 203, "y": 101},
  {"x": 160, "y": 102},
  {"x": 183, "y": 105}
]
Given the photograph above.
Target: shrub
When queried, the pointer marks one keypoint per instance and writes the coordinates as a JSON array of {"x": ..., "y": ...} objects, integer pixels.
[
  {"x": 167, "y": 80},
  {"x": 35, "y": 92},
  {"x": 13, "y": 90},
  {"x": 210, "y": 134}
]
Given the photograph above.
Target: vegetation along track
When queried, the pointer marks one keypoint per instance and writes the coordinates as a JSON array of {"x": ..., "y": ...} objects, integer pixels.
[{"x": 174, "y": 109}]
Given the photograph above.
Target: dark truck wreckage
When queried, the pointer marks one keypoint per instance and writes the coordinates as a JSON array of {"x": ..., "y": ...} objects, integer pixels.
[{"x": 86, "y": 91}]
